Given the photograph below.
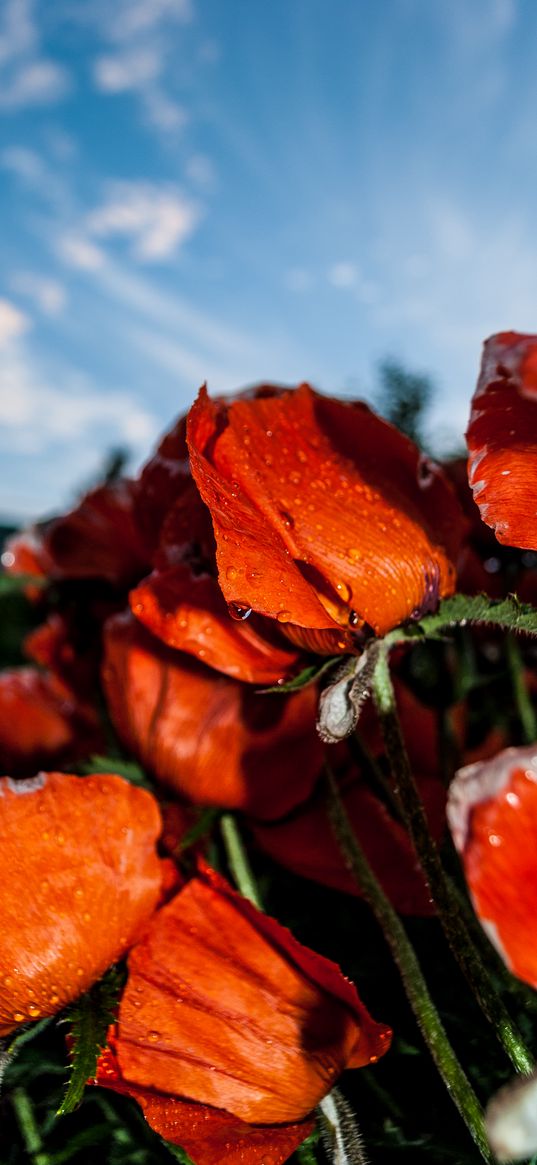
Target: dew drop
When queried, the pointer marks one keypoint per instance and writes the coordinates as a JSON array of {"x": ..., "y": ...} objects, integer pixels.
[
  {"x": 54, "y": 999},
  {"x": 86, "y": 916},
  {"x": 287, "y": 520},
  {"x": 354, "y": 554},
  {"x": 301, "y": 456},
  {"x": 8, "y": 981},
  {"x": 495, "y": 839},
  {"x": 79, "y": 893},
  {"x": 283, "y": 616},
  {"x": 239, "y": 611},
  {"x": 295, "y": 478},
  {"x": 34, "y": 1011},
  {"x": 344, "y": 591},
  {"x": 354, "y": 618},
  {"x": 153, "y": 1036},
  {"x": 18, "y": 1017},
  {"x": 231, "y": 573}
]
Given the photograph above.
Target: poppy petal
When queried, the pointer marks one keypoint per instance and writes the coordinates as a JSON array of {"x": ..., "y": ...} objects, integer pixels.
[
  {"x": 225, "y": 1007},
  {"x": 210, "y": 1136},
  {"x": 502, "y": 439},
  {"x": 86, "y": 849},
  {"x": 210, "y": 738},
  {"x": 310, "y": 527},
  {"x": 492, "y": 812},
  {"x": 187, "y": 611},
  {"x": 42, "y": 723}
]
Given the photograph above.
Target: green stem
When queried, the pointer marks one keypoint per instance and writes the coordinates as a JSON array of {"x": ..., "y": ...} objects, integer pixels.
[
  {"x": 238, "y": 860},
  {"x": 448, "y": 906},
  {"x": 525, "y": 709},
  {"x": 415, "y": 986},
  {"x": 29, "y": 1128}
]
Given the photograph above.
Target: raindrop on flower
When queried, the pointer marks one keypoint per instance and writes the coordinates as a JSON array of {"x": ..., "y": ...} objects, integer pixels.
[{"x": 239, "y": 611}]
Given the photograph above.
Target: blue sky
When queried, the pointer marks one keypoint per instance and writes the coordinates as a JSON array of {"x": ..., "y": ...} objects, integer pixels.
[{"x": 236, "y": 190}]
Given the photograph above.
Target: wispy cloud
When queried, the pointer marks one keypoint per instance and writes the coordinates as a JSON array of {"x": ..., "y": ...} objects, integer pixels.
[
  {"x": 13, "y": 322},
  {"x": 156, "y": 219},
  {"x": 37, "y": 416},
  {"x": 27, "y": 76},
  {"x": 138, "y": 41},
  {"x": 47, "y": 294}
]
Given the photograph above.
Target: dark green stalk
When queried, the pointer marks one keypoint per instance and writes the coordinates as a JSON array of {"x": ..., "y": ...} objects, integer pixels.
[
  {"x": 524, "y": 706},
  {"x": 415, "y": 986},
  {"x": 29, "y": 1128},
  {"x": 447, "y": 904},
  {"x": 238, "y": 860}
]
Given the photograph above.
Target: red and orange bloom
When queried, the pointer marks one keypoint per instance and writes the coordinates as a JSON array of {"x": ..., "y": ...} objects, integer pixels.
[
  {"x": 42, "y": 723},
  {"x": 211, "y": 739},
  {"x": 83, "y": 877},
  {"x": 224, "y": 1007},
  {"x": 326, "y": 518},
  {"x": 492, "y": 811},
  {"x": 502, "y": 439}
]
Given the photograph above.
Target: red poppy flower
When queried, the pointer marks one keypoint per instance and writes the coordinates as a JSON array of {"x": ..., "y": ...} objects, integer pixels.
[
  {"x": 209, "y": 1135},
  {"x": 42, "y": 723},
  {"x": 212, "y": 739},
  {"x": 83, "y": 878},
  {"x": 224, "y": 1007},
  {"x": 502, "y": 439},
  {"x": 98, "y": 539},
  {"x": 492, "y": 811},
  {"x": 326, "y": 518}
]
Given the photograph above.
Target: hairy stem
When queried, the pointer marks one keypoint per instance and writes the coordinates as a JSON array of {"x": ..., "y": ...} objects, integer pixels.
[
  {"x": 415, "y": 986},
  {"x": 447, "y": 904}
]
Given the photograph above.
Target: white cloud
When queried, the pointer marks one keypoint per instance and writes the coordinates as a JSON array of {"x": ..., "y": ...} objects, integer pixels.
[
  {"x": 12, "y": 322},
  {"x": 80, "y": 253},
  {"x": 298, "y": 279},
  {"x": 47, "y": 294},
  {"x": 36, "y": 416},
  {"x": 200, "y": 170},
  {"x": 133, "y": 18},
  {"x": 132, "y": 70},
  {"x": 343, "y": 274},
  {"x": 27, "y": 77},
  {"x": 155, "y": 219}
]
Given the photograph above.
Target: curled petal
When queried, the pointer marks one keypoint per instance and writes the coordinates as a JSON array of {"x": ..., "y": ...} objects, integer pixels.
[
  {"x": 502, "y": 439},
  {"x": 223, "y": 1006},
  {"x": 210, "y": 738},
  {"x": 210, "y": 1136},
  {"x": 324, "y": 516},
  {"x": 42, "y": 723},
  {"x": 492, "y": 812},
  {"x": 84, "y": 878},
  {"x": 187, "y": 611},
  {"x": 164, "y": 477}
]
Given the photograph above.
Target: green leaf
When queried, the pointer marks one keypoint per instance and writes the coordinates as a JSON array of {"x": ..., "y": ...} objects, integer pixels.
[
  {"x": 179, "y": 1154},
  {"x": 14, "y": 584},
  {"x": 90, "y": 1018},
  {"x": 115, "y": 764},
  {"x": 307, "y": 676},
  {"x": 305, "y": 1153},
  {"x": 460, "y": 610},
  {"x": 204, "y": 825}
]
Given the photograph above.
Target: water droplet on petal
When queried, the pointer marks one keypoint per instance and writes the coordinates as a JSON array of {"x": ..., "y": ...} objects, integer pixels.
[
  {"x": 354, "y": 618},
  {"x": 283, "y": 616},
  {"x": 344, "y": 591},
  {"x": 231, "y": 573},
  {"x": 287, "y": 519},
  {"x": 354, "y": 554},
  {"x": 34, "y": 1011},
  {"x": 18, "y": 1017},
  {"x": 239, "y": 611},
  {"x": 495, "y": 839},
  {"x": 153, "y": 1036}
]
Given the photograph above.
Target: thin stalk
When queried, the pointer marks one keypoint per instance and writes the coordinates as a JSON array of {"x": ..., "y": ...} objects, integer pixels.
[
  {"x": 238, "y": 860},
  {"x": 29, "y": 1128},
  {"x": 524, "y": 706},
  {"x": 448, "y": 907},
  {"x": 429, "y": 1021}
]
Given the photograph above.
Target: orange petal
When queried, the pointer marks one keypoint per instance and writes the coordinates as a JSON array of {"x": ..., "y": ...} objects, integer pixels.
[
  {"x": 84, "y": 878},
  {"x": 210, "y": 1136},
  {"x": 42, "y": 723},
  {"x": 212, "y": 739},
  {"x": 492, "y": 811},
  {"x": 188, "y": 611},
  {"x": 162, "y": 480},
  {"x": 324, "y": 515},
  {"x": 502, "y": 439},
  {"x": 223, "y": 1006}
]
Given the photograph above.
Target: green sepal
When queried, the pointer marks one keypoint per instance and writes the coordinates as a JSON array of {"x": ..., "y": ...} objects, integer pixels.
[{"x": 89, "y": 1019}]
